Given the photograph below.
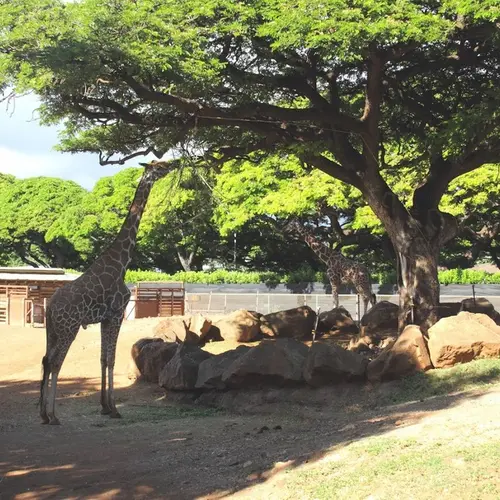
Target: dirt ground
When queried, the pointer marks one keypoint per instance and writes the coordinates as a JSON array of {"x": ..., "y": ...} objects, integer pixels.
[{"x": 165, "y": 448}]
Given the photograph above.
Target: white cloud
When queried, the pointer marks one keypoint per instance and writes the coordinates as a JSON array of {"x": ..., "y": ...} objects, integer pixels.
[
  {"x": 26, "y": 149},
  {"x": 82, "y": 169}
]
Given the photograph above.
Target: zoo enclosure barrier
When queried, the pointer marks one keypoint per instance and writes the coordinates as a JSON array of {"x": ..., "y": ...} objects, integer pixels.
[{"x": 265, "y": 303}]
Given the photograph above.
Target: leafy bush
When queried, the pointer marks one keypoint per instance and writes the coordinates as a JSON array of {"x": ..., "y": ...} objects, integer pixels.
[
  {"x": 304, "y": 275},
  {"x": 468, "y": 277}
]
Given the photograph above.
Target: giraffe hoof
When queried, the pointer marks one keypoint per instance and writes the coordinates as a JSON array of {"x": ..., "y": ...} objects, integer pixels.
[
  {"x": 45, "y": 420},
  {"x": 115, "y": 414},
  {"x": 105, "y": 411},
  {"x": 54, "y": 421}
]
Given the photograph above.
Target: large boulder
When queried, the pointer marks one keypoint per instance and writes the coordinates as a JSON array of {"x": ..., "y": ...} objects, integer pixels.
[
  {"x": 140, "y": 352},
  {"x": 273, "y": 362},
  {"x": 157, "y": 358},
  {"x": 447, "y": 309},
  {"x": 190, "y": 330},
  {"x": 480, "y": 305},
  {"x": 406, "y": 355},
  {"x": 329, "y": 363},
  {"x": 380, "y": 321},
  {"x": 462, "y": 338},
  {"x": 181, "y": 372},
  {"x": 238, "y": 326},
  {"x": 295, "y": 323},
  {"x": 211, "y": 370},
  {"x": 336, "y": 322}
]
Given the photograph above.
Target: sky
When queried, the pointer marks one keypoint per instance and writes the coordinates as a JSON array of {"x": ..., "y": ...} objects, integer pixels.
[{"x": 27, "y": 149}]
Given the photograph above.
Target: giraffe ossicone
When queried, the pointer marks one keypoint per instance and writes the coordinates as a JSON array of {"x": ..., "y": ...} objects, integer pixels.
[
  {"x": 99, "y": 295},
  {"x": 339, "y": 269}
]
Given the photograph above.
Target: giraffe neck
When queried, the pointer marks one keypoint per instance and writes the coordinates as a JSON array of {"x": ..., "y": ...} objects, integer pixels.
[
  {"x": 322, "y": 251},
  {"x": 121, "y": 250}
]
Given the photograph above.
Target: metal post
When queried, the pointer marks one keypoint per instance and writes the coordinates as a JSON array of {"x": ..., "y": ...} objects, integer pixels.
[
  {"x": 474, "y": 294},
  {"x": 358, "y": 310},
  {"x": 210, "y": 301},
  {"x": 44, "y": 312}
]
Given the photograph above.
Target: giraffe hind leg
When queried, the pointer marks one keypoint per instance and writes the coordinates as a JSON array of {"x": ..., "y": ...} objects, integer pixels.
[
  {"x": 109, "y": 336},
  {"x": 106, "y": 410},
  {"x": 55, "y": 358}
]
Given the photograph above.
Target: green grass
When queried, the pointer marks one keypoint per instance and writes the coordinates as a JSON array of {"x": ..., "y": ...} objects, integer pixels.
[
  {"x": 152, "y": 414},
  {"x": 149, "y": 414},
  {"x": 388, "y": 468},
  {"x": 477, "y": 374}
]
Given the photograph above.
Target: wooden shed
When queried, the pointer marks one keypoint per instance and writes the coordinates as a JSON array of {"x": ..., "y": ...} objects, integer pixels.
[
  {"x": 158, "y": 298},
  {"x": 24, "y": 292}
]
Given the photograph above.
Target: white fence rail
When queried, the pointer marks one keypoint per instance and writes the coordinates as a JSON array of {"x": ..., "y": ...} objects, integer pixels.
[{"x": 265, "y": 303}]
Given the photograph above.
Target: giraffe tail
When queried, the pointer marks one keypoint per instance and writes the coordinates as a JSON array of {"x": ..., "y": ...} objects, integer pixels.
[{"x": 45, "y": 368}]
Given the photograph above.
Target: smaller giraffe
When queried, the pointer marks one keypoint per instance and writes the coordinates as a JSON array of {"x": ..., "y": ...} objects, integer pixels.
[{"x": 339, "y": 269}]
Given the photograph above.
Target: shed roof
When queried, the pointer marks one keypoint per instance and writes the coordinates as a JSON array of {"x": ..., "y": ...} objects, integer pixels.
[{"x": 34, "y": 274}]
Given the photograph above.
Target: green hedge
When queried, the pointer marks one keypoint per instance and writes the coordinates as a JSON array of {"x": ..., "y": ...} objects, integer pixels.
[{"x": 452, "y": 276}]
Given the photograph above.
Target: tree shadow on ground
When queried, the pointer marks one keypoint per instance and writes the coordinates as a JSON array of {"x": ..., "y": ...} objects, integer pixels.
[{"x": 184, "y": 446}]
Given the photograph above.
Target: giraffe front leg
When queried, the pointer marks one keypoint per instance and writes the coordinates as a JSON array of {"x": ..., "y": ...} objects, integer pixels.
[
  {"x": 335, "y": 293},
  {"x": 365, "y": 303}
]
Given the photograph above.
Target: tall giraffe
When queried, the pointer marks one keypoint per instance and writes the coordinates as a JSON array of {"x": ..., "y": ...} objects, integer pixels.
[
  {"x": 339, "y": 269},
  {"x": 99, "y": 295}
]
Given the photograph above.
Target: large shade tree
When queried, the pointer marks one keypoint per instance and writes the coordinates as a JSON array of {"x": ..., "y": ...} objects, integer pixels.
[{"x": 351, "y": 87}]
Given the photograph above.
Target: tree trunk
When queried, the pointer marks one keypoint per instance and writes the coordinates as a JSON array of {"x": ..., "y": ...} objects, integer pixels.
[
  {"x": 417, "y": 236},
  {"x": 419, "y": 285},
  {"x": 186, "y": 261}
]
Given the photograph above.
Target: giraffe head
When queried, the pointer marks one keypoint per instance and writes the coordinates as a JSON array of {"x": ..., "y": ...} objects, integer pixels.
[
  {"x": 158, "y": 169},
  {"x": 292, "y": 226}
]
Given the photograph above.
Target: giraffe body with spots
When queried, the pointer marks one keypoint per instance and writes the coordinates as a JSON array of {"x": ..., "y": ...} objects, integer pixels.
[
  {"x": 99, "y": 295},
  {"x": 339, "y": 269}
]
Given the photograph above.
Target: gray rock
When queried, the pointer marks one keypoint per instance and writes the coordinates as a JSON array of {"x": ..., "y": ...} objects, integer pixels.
[
  {"x": 211, "y": 370},
  {"x": 239, "y": 326},
  {"x": 406, "y": 355},
  {"x": 337, "y": 321},
  {"x": 329, "y": 363},
  {"x": 295, "y": 323},
  {"x": 274, "y": 362},
  {"x": 380, "y": 321},
  {"x": 462, "y": 338},
  {"x": 181, "y": 372}
]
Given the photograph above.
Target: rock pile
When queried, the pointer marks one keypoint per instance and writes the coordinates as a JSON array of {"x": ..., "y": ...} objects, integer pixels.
[{"x": 280, "y": 354}]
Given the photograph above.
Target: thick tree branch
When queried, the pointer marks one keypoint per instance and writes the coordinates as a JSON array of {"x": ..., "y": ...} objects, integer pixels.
[
  {"x": 371, "y": 112},
  {"x": 322, "y": 109},
  {"x": 332, "y": 168},
  {"x": 442, "y": 172}
]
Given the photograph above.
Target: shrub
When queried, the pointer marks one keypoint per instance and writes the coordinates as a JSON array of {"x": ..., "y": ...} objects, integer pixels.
[
  {"x": 452, "y": 276},
  {"x": 303, "y": 275}
]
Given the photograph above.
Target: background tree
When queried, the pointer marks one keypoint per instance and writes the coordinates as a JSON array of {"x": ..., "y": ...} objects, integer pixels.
[
  {"x": 352, "y": 89},
  {"x": 474, "y": 199},
  {"x": 178, "y": 222},
  {"x": 29, "y": 207},
  {"x": 270, "y": 191}
]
